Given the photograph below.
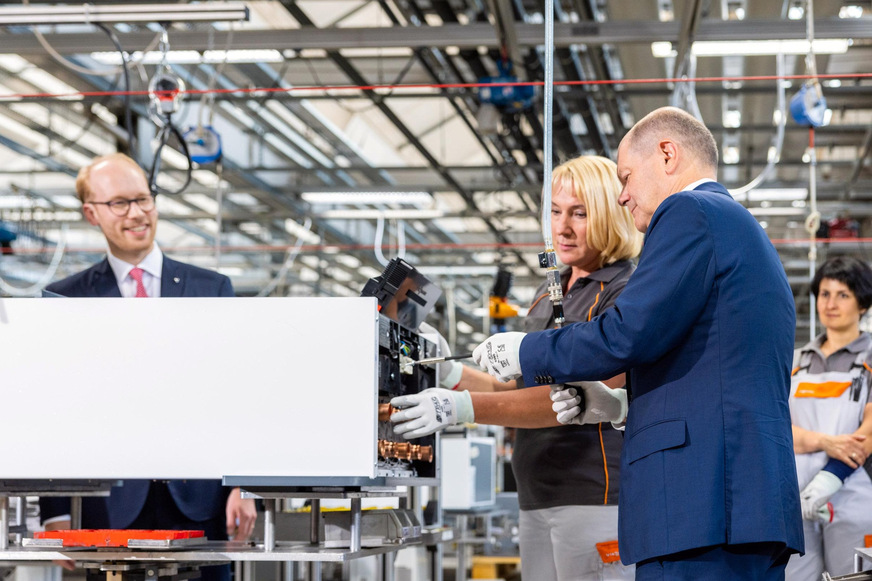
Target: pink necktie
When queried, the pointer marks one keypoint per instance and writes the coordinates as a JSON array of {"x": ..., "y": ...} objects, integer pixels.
[{"x": 136, "y": 274}]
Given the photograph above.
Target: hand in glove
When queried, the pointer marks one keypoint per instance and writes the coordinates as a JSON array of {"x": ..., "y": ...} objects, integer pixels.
[
  {"x": 448, "y": 372},
  {"x": 431, "y": 410},
  {"x": 589, "y": 402},
  {"x": 817, "y": 493},
  {"x": 500, "y": 355}
]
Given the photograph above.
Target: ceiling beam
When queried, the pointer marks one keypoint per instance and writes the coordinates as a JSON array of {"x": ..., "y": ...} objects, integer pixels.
[{"x": 463, "y": 36}]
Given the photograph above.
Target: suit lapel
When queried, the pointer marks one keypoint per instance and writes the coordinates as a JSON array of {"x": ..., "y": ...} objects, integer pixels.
[
  {"x": 104, "y": 283},
  {"x": 172, "y": 281}
]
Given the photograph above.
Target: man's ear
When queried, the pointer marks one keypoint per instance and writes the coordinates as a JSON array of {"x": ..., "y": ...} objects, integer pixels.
[
  {"x": 90, "y": 214},
  {"x": 669, "y": 153}
]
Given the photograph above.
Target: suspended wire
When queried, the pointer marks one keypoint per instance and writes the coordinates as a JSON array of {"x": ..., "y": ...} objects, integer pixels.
[
  {"x": 377, "y": 244},
  {"x": 290, "y": 257},
  {"x": 419, "y": 247},
  {"x": 779, "y": 136},
  {"x": 684, "y": 94},
  {"x": 208, "y": 99},
  {"x": 327, "y": 88},
  {"x": 47, "y": 276},
  {"x": 166, "y": 132},
  {"x": 62, "y": 60},
  {"x": 128, "y": 119},
  {"x": 401, "y": 238}
]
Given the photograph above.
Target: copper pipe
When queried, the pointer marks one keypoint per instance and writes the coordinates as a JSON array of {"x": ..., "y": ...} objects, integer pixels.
[
  {"x": 404, "y": 451},
  {"x": 385, "y": 411}
]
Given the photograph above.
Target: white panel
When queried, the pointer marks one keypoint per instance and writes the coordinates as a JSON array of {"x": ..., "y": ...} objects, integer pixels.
[{"x": 188, "y": 388}]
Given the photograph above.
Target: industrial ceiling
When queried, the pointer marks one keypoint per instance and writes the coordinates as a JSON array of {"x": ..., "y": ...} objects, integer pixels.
[{"x": 374, "y": 104}]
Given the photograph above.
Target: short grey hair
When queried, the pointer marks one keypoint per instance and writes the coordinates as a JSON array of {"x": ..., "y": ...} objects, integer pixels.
[{"x": 673, "y": 123}]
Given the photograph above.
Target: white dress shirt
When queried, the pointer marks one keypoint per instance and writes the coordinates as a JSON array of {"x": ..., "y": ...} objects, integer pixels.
[
  {"x": 694, "y": 185},
  {"x": 151, "y": 266}
]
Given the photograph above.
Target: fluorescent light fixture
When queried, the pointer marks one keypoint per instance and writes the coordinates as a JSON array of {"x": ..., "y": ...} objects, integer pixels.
[
  {"x": 386, "y": 214},
  {"x": 304, "y": 234},
  {"x": 731, "y": 155},
  {"x": 754, "y": 47},
  {"x": 780, "y": 211},
  {"x": 851, "y": 12},
  {"x": 36, "y": 14},
  {"x": 344, "y": 198},
  {"x": 458, "y": 270},
  {"x": 773, "y": 195},
  {"x": 732, "y": 118},
  {"x": 193, "y": 57}
]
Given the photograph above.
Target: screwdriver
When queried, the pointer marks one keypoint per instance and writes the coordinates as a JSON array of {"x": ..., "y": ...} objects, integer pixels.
[{"x": 432, "y": 360}]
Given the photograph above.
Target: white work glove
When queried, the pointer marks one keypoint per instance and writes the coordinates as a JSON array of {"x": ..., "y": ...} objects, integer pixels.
[
  {"x": 817, "y": 493},
  {"x": 433, "y": 409},
  {"x": 825, "y": 514},
  {"x": 500, "y": 355},
  {"x": 448, "y": 372},
  {"x": 589, "y": 402}
]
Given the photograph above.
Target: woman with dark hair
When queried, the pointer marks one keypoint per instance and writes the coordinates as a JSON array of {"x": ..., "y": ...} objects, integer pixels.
[{"x": 831, "y": 410}]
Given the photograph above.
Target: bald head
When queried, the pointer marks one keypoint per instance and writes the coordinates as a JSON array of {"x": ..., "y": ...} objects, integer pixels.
[{"x": 687, "y": 131}]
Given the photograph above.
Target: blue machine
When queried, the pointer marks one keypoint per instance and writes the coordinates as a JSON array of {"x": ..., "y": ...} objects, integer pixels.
[
  {"x": 507, "y": 97},
  {"x": 204, "y": 144},
  {"x": 809, "y": 106}
]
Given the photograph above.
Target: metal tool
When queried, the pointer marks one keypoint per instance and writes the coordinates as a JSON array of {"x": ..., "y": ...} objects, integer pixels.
[{"x": 433, "y": 360}]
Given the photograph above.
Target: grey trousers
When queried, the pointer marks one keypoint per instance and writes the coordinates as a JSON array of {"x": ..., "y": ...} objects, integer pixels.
[{"x": 559, "y": 544}]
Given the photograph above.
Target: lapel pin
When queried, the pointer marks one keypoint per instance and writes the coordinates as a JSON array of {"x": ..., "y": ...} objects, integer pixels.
[{"x": 176, "y": 280}]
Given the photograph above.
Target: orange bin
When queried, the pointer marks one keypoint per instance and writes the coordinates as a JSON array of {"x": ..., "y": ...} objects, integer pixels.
[{"x": 114, "y": 537}]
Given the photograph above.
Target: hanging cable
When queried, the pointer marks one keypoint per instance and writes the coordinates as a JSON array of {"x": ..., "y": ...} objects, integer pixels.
[
  {"x": 401, "y": 238},
  {"x": 548, "y": 258},
  {"x": 128, "y": 119},
  {"x": 684, "y": 94},
  {"x": 65, "y": 62},
  {"x": 779, "y": 135},
  {"x": 377, "y": 246},
  {"x": 290, "y": 257},
  {"x": 49, "y": 273},
  {"x": 219, "y": 214},
  {"x": 165, "y": 97}
]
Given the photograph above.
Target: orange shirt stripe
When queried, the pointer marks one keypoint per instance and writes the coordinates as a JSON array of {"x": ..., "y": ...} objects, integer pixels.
[{"x": 822, "y": 390}]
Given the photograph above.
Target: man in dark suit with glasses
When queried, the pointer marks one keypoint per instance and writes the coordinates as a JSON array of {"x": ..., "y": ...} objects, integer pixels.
[{"x": 115, "y": 197}]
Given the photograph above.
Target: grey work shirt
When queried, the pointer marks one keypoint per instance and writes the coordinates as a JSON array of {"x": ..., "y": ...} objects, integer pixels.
[
  {"x": 840, "y": 360},
  {"x": 563, "y": 466}
]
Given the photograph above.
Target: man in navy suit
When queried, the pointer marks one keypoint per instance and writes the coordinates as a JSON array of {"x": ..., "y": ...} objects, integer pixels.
[
  {"x": 705, "y": 331},
  {"x": 115, "y": 197}
]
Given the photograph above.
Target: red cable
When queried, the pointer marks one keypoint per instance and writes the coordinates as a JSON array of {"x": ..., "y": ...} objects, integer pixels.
[
  {"x": 327, "y": 88},
  {"x": 349, "y": 247}
]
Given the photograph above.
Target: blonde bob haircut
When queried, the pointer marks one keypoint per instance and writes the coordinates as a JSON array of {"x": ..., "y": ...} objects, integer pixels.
[
  {"x": 594, "y": 181},
  {"x": 83, "y": 179}
]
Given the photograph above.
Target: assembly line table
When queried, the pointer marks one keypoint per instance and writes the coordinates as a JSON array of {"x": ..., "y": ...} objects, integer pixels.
[
  {"x": 860, "y": 555},
  {"x": 159, "y": 562}
]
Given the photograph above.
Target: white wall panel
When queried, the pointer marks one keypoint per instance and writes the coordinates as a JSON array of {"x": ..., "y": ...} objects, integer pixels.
[{"x": 188, "y": 388}]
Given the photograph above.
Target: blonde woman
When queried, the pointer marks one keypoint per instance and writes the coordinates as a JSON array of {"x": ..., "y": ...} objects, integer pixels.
[{"x": 567, "y": 476}]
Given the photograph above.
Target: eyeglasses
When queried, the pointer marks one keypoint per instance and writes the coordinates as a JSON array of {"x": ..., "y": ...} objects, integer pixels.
[{"x": 122, "y": 207}]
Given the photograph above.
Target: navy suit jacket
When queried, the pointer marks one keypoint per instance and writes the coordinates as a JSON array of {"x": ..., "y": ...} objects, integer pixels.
[
  {"x": 705, "y": 329},
  {"x": 199, "y": 500}
]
